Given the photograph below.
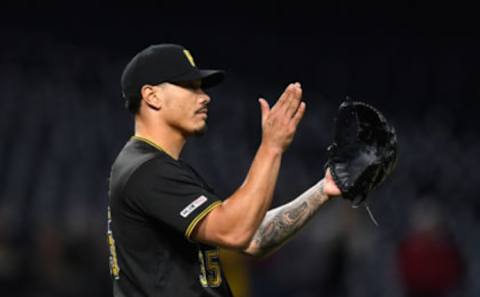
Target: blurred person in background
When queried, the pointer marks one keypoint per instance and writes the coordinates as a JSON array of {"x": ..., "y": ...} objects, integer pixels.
[{"x": 429, "y": 261}]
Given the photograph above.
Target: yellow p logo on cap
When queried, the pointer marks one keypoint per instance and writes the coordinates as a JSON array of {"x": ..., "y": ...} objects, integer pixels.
[{"x": 189, "y": 57}]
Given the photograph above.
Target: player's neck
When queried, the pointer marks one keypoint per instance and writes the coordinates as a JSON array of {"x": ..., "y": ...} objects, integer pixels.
[{"x": 169, "y": 140}]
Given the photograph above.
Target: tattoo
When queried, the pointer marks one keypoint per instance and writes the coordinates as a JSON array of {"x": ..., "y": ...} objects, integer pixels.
[
  {"x": 283, "y": 222},
  {"x": 279, "y": 226},
  {"x": 293, "y": 214}
]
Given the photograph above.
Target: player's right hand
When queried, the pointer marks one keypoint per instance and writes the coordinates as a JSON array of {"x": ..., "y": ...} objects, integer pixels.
[{"x": 280, "y": 122}]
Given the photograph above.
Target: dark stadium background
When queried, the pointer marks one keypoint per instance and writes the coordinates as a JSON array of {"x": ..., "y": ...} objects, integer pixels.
[{"x": 62, "y": 123}]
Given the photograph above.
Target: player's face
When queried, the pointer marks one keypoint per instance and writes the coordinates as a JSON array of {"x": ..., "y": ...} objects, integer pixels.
[{"x": 185, "y": 107}]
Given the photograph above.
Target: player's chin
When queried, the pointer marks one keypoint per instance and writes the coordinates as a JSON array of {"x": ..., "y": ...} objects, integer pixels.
[{"x": 201, "y": 131}]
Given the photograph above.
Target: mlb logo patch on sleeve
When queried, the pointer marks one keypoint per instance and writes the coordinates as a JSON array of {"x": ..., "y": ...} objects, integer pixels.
[{"x": 192, "y": 206}]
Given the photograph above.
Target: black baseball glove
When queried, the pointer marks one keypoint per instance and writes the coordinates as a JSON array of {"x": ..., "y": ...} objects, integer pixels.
[{"x": 364, "y": 151}]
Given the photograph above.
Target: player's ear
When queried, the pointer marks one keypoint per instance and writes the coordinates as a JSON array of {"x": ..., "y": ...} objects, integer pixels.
[{"x": 151, "y": 97}]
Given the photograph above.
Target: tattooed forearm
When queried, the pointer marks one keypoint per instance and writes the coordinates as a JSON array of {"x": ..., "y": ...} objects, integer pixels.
[
  {"x": 283, "y": 222},
  {"x": 280, "y": 225}
]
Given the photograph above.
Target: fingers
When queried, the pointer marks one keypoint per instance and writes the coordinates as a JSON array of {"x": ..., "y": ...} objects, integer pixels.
[
  {"x": 293, "y": 101},
  {"x": 283, "y": 98},
  {"x": 264, "y": 107},
  {"x": 289, "y": 106},
  {"x": 290, "y": 93},
  {"x": 328, "y": 175},
  {"x": 299, "y": 113},
  {"x": 279, "y": 123}
]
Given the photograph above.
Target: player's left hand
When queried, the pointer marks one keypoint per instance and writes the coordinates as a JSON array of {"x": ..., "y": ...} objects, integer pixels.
[{"x": 329, "y": 186}]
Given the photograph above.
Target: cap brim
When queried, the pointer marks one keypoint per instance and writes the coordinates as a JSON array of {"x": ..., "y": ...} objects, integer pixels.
[{"x": 209, "y": 78}]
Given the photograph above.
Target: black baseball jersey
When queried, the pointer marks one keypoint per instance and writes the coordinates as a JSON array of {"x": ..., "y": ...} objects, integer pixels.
[{"x": 155, "y": 202}]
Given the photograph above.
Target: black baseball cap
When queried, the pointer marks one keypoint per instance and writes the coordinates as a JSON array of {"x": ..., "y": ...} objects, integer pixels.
[{"x": 164, "y": 63}]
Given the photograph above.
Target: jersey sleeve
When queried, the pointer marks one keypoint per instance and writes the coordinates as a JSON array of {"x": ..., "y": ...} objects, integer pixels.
[{"x": 170, "y": 194}]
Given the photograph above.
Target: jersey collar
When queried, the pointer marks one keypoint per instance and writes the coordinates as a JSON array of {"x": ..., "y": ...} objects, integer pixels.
[{"x": 148, "y": 141}]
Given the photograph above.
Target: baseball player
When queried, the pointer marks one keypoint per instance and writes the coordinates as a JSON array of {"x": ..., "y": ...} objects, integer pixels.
[{"x": 165, "y": 222}]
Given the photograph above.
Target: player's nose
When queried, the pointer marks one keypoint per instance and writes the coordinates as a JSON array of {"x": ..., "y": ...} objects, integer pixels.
[{"x": 204, "y": 99}]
